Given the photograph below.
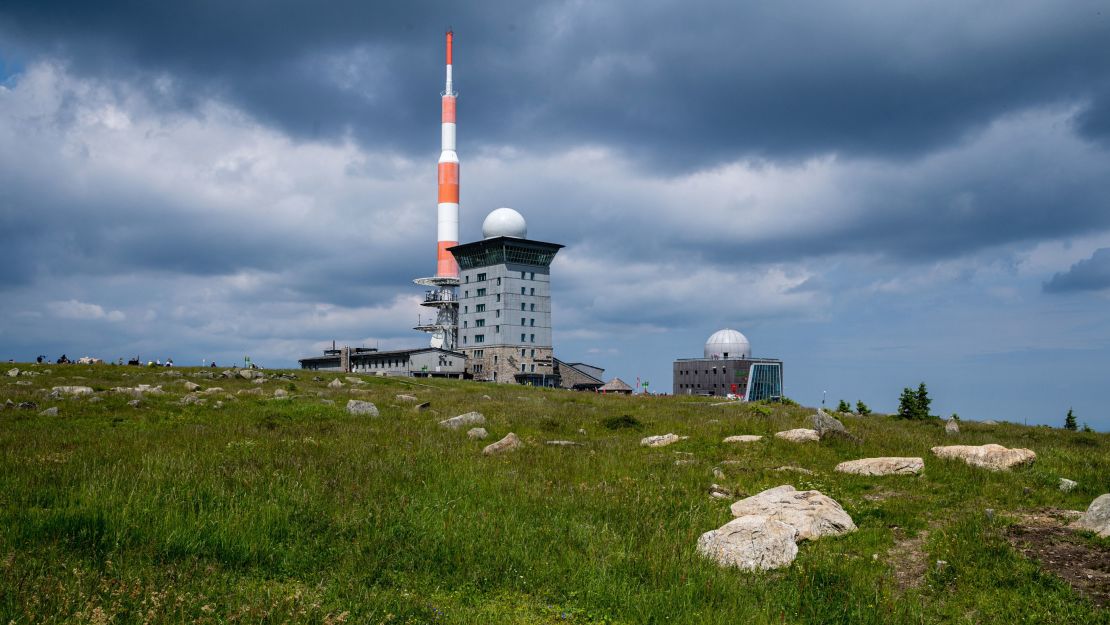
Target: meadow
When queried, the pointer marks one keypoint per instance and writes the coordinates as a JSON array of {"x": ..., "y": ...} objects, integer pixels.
[{"x": 290, "y": 510}]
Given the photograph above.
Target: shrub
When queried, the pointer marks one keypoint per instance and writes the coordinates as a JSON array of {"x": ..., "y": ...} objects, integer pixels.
[
  {"x": 1069, "y": 421},
  {"x": 623, "y": 421},
  {"x": 843, "y": 407},
  {"x": 861, "y": 408}
]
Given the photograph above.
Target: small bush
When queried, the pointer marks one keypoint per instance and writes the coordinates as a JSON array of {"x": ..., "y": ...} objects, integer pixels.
[{"x": 621, "y": 422}]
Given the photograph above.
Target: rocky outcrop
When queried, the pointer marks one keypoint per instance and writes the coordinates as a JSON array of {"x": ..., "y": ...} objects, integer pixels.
[
  {"x": 813, "y": 514},
  {"x": 336, "y": 384},
  {"x": 742, "y": 438},
  {"x": 13, "y": 372},
  {"x": 882, "y": 466},
  {"x": 661, "y": 440},
  {"x": 191, "y": 387},
  {"x": 1097, "y": 517},
  {"x": 509, "y": 443},
  {"x": 750, "y": 543},
  {"x": 800, "y": 435},
  {"x": 477, "y": 434},
  {"x": 470, "y": 418},
  {"x": 826, "y": 424},
  {"x": 72, "y": 391},
  {"x": 362, "y": 408},
  {"x": 991, "y": 456}
]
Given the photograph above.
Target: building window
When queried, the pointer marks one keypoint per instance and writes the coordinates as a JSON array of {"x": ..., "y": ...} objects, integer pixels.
[
  {"x": 481, "y": 277},
  {"x": 522, "y": 305},
  {"x": 477, "y": 368},
  {"x": 522, "y": 322},
  {"x": 497, "y": 329},
  {"x": 464, "y": 343},
  {"x": 522, "y": 365},
  {"x": 478, "y": 323},
  {"x": 466, "y": 278},
  {"x": 481, "y": 293},
  {"x": 522, "y": 350},
  {"x": 497, "y": 313},
  {"x": 499, "y": 297},
  {"x": 533, "y": 308},
  {"x": 533, "y": 353},
  {"x": 479, "y": 308},
  {"x": 522, "y": 340},
  {"x": 522, "y": 290},
  {"x": 466, "y": 293},
  {"x": 464, "y": 323},
  {"x": 533, "y": 291},
  {"x": 533, "y": 368},
  {"x": 532, "y": 276},
  {"x": 495, "y": 359},
  {"x": 532, "y": 322},
  {"x": 478, "y": 353},
  {"x": 522, "y": 275},
  {"x": 466, "y": 309},
  {"x": 499, "y": 282},
  {"x": 479, "y": 338}
]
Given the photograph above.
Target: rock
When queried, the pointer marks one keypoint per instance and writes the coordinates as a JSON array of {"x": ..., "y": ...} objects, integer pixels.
[
  {"x": 354, "y": 380},
  {"x": 951, "y": 427},
  {"x": 251, "y": 391},
  {"x": 212, "y": 391},
  {"x": 470, "y": 418},
  {"x": 743, "y": 438},
  {"x": 317, "y": 378},
  {"x": 407, "y": 398},
  {"x": 360, "y": 407},
  {"x": 247, "y": 374},
  {"x": 563, "y": 443},
  {"x": 717, "y": 491},
  {"x": 189, "y": 400},
  {"x": 421, "y": 407},
  {"x": 751, "y": 543},
  {"x": 718, "y": 473},
  {"x": 327, "y": 402},
  {"x": 582, "y": 431},
  {"x": 1097, "y": 517},
  {"x": 219, "y": 404},
  {"x": 280, "y": 393},
  {"x": 28, "y": 405},
  {"x": 882, "y": 466},
  {"x": 487, "y": 397},
  {"x": 1067, "y": 485},
  {"x": 825, "y": 424},
  {"x": 793, "y": 468},
  {"x": 9, "y": 403},
  {"x": 800, "y": 435},
  {"x": 13, "y": 372},
  {"x": 258, "y": 380},
  {"x": 990, "y": 422},
  {"x": 335, "y": 383},
  {"x": 661, "y": 440},
  {"x": 73, "y": 391},
  {"x": 134, "y": 403},
  {"x": 811, "y": 513},
  {"x": 992, "y": 457},
  {"x": 50, "y": 412},
  {"x": 509, "y": 443},
  {"x": 168, "y": 374},
  {"x": 95, "y": 400},
  {"x": 477, "y": 434},
  {"x": 192, "y": 387}
]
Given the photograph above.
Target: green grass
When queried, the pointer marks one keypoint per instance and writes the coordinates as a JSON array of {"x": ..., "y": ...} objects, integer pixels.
[{"x": 292, "y": 511}]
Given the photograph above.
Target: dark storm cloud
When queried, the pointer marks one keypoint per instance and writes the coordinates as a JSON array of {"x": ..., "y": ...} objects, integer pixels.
[
  {"x": 1090, "y": 274},
  {"x": 671, "y": 84}
]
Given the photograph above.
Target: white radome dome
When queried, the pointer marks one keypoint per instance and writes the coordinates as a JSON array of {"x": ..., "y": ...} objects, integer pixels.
[
  {"x": 728, "y": 343},
  {"x": 505, "y": 222}
]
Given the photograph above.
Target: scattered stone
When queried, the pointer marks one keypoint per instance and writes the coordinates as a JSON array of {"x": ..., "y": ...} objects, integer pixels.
[
  {"x": 168, "y": 374},
  {"x": 219, "y": 404},
  {"x": 1097, "y": 517},
  {"x": 990, "y": 514},
  {"x": 742, "y": 438},
  {"x": 992, "y": 457},
  {"x": 422, "y": 406},
  {"x": 247, "y": 374},
  {"x": 951, "y": 427},
  {"x": 751, "y": 543},
  {"x": 407, "y": 398},
  {"x": 790, "y": 467},
  {"x": 1067, "y": 485},
  {"x": 73, "y": 391},
  {"x": 941, "y": 564},
  {"x": 280, "y": 393},
  {"x": 477, "y": 434},
  {"x": 799, "y": 435},
  {"x": 718, "y": 473},
  {"x": 9, "y": 403},
  {"x": 317, "y": 378},
  {"x": 144, "y": 389},
  {"x": 563, "y": 443},
  {"x": 661, "y": 440},
  {"x": 470, "y": 418},
  {"x": 509, "y": 443},
  {"x": 813, "y": 514},
  {"x": 327, "y": 402},
  {"x": 13, "y": 372},
  {"x": 360, "y": 407},
  {"x": 50, "y": 412},
  {"x": 192, "y": 387},
  {"x": 487, "y": 397},
  {"x": 250, "y": 391},
  {"x": 23, "y": 383},
  {"x": 189, "y": 400},
  {"x": 882, "y": 466},
  {"x": 335, "y": 383},
  {"x": 28, "y": 405},
  {"x": 354, "y": 380},
  {"x": 258, "y": 380},
  {"x": 212, "y": 391},
  {"x": 717, "y": 491},
  {"x": 95, "y": 400},
  {"x": 825, "y": 423},
  {"x": 990, "y": 422},
  {"x": 134, "y": 403}
]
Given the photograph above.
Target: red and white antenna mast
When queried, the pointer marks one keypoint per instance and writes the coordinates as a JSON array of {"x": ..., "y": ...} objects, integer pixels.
[{"x": 447, "y": 222}]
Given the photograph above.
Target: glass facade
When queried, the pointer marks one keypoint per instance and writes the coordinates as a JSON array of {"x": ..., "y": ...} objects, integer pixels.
[{"x": 765, "y": 382}]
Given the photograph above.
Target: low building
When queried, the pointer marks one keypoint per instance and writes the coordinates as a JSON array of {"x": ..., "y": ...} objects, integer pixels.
[
  {"x": 578, "y": 376},
  {"x": 420, "y": 362},
  {"x": 728, "y": 368},
  {"x": 616, "y": 386}
]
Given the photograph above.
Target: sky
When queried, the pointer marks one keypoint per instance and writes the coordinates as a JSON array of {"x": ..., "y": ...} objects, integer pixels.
[{"x": 879, "y": 194}]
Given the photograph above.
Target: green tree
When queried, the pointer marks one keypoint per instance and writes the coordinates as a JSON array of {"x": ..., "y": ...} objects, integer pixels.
[
  {"x": 907, "y": 404},
  {"x": 1070, "y": 422},
  {"x": 861, "y": 408},
  {"x": 923, "y": 401},
  {"x": 843, "y": 407}
]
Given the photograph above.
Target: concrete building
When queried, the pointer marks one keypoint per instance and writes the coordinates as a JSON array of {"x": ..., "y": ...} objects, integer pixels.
[
  {"x": 421, "y": 362},
  {"x": 505, "y": 303},
  {"x": 727, "y": 367},
  {"x": 578, "y": 376}
]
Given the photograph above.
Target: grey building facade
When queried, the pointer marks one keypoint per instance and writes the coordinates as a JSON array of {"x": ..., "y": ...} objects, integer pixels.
[
  {"x": 505, "y": 309},
  {"x": 753, "y": 379},
  {"x": 422, "y": 362}
]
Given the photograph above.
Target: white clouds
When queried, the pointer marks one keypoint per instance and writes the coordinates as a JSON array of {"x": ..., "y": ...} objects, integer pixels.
[{"x": 73, "y": 309}]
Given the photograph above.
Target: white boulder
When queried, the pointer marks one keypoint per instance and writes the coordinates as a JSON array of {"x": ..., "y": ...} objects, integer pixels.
[
  {"x": 751, "y": 543},
  {"x": 742, "y": 438},
  {"x": 813, "y": 514},
  {"x": 470, "y": 418},
  {"x": 799, "y": 435},
  {"x": 882, "y": 466},
  {"x": 509, "y": 443},
  {"x": 661, "y": 440},
  {"x": 1097, "y": 517},
  {"x": 359, "y": 407},
  {"x": 990, "y": 456}
]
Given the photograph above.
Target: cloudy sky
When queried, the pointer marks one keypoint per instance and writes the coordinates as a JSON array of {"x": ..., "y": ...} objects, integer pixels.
[{"x": 877, "y": 193}]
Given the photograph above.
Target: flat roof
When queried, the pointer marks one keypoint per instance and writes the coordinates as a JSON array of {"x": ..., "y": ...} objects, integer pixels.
[
  {"x": 503, "y": 250},
  {"x": 375, "y": 353},
  {"x": 767, "y": 360}
]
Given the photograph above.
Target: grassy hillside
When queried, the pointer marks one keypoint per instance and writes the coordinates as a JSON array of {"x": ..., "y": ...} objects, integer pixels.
[{"x": 291, "y": 511}]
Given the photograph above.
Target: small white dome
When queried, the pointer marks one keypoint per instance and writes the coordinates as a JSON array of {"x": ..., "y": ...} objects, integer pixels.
[
  {"x": 728, "y": 343},
  {"x": 505, "y": 222}
]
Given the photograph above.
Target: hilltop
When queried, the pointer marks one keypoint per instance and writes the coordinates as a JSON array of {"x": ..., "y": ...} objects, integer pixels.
[{"x": 265, "y": 501}]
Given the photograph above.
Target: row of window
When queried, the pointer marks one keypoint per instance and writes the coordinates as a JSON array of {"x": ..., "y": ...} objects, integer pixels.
[
  {"x": 481, "y": 338},
  {"x": 708, "y": 371},
  {"x": 482, "y": 307},
  {"x": 481, "y": 323},
  {"x": 524, "y": 275},
  {"x": 482, "y": 292}
]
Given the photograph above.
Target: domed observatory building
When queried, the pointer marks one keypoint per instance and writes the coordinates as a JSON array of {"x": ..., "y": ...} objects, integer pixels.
[
  {"x": 505, "y": 303},
  {"x": 727, "y": 368}
]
